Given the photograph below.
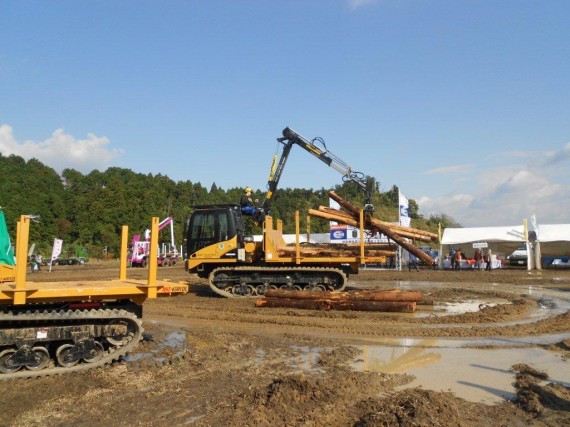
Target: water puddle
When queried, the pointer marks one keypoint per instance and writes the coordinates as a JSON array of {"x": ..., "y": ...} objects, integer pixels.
[
  {"x": 175, "y": 340},
  {"x": 462, "y": 367},
  {"x": 459, "y": 307},
  {"x": 476, "y": 375},
  {"x": 475, "y": 369},
  {"x": 551, "y": 301}
]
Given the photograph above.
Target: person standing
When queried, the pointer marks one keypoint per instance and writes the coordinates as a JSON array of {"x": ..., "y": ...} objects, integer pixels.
[
  {"x": 413, "y": 262},
  {"x": 478, "y": 258},
  {"x": 457, "y": 259},
  {"x": 433, "y": 256},
  {"x": 489, "y": 260}
]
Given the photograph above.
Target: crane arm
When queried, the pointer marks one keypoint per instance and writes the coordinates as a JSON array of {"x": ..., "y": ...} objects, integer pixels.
[
  {"x": 289, "y": 138},
  {"x": 168, "y": 221}
]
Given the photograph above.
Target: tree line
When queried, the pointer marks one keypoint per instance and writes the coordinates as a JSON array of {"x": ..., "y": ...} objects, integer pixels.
[{"x": 90, "y": 210}]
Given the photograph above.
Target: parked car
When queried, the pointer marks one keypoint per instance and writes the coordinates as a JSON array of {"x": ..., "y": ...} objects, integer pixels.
[
  {"x": 70, "y": 261},
  {"x": 518, "y": 257}
]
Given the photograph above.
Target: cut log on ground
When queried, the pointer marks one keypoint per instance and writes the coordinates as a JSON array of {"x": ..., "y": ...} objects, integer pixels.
[
  {"x": 390, "y": 295},
  {"x": 391, "y": 300},
  {"x": 324, "y": 304}
]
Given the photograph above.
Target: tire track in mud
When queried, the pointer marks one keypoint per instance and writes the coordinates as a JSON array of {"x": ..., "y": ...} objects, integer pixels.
[{"x": 513, "y": 319}]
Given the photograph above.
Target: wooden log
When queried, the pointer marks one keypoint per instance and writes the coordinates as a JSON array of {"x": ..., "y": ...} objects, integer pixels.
[
  {"x": 386, "y": 306},
  {"x": 331, "y": 251},
  {"x": 355, "y": 211},
  {"x": 349, "y": 220},
  {"x": 395, "y": 237},
  {"x": 400, "y": 229},
  {"x": 344, "y": 203},
  {"x": 384, "y": 295},
  {"x": 377, "y": 226}
]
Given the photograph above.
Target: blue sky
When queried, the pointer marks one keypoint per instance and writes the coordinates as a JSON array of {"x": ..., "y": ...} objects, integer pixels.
[{"x": 464, "y": 105}]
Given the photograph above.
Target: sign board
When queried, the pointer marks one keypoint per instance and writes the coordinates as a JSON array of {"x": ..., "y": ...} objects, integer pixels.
[
  {"x": 480, "y": 245},
  {"x": 349, "y": 234}
]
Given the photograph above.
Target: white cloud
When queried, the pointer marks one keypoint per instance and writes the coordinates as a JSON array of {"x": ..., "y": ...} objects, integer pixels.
[
  {"x": 519, "y": 154},
  {"x": 355, "y": 4},
  {"x": 507, "y": 194},
  {"x": 444, "y": 170},
  {"x": 61, "y": 150},
  {"x": 557, "y": 156}
]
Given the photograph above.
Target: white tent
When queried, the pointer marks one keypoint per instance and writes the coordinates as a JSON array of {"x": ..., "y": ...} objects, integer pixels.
[
  {"x": 554, "y": 239},
  {"x": 501, "y": 240}
]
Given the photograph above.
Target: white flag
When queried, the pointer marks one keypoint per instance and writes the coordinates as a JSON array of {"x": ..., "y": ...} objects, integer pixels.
[
  {"x": 404, "y": 210},
  {"x": 534, "y": 225},
  {"x": 334, "y": 205},
  {"x": 57, "y": 244}
]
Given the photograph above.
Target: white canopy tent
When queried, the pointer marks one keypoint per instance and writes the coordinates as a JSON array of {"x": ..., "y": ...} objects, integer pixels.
[
  {"x": 501, "y": 240},
  {"x": 552, "y": 246},
  {"x": 554, "y": 239}
]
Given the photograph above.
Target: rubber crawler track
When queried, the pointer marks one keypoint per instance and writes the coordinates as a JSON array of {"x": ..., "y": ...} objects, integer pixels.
[
  {"x": 277, "y": 273},
  {"x": 83, "y": 317}
]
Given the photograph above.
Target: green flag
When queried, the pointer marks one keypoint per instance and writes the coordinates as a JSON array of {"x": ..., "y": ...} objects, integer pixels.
[{"x": 6, "y": 249}]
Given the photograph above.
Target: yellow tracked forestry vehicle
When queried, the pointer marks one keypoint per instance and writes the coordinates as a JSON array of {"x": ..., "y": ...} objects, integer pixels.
[
  {"x": 237, "y": 266},
  {"x": 218, "y": 249},
  {"x": 57, "y": 327}
]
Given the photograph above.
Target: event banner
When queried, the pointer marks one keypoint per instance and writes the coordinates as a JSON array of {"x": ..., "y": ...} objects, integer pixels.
[
  {"x": 342, "y": 233},
  {"x": 57, "y": 244}
]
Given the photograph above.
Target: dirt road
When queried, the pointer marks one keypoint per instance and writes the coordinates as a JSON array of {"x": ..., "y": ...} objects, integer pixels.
[{"x": 207, "y": 360}]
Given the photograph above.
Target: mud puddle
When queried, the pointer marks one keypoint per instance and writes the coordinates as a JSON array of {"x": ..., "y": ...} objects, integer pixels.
[
  {"x": 175, "y": 341},
  {"x": 551, "y": 301},
  {"x": 480, "y": 375},
  {"x": 476, "y": 375},
  {"x": 460, "y": 307}
]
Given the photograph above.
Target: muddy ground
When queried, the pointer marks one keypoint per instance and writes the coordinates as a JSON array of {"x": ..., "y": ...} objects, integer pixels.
[{"x": 211, "y": 361}]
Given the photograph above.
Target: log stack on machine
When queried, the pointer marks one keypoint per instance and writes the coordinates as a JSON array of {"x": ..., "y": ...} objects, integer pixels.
[
  {"x": 397, "y": 233},
  {"x": 387, "y": 301}
]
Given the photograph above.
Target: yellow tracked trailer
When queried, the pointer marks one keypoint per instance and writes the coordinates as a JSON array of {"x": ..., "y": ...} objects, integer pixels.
[{"x": 58, "y": 327}]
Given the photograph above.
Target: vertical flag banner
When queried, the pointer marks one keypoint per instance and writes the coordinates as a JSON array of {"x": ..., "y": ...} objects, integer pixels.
[
  {"x": 534, "y": 225},
  {"x": 404, "y": 210},
  {"x": 6, "y": 249},
  {"x": 537, "y": 255},
  {"x": 338, "y": 232},
  {"x": 57, "y": 244},
  {"x": 334, "y": 205}
]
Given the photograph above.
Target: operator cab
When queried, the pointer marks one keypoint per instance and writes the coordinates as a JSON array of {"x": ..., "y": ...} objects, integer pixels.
[{"x": 211, "y": 224}]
